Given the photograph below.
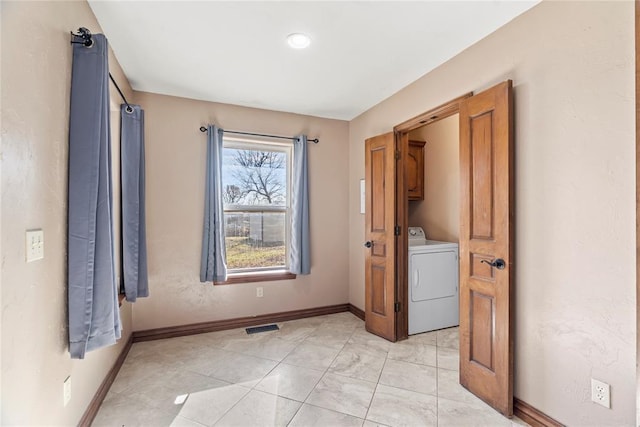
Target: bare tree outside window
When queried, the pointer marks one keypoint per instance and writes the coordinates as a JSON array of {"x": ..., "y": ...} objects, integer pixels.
[
  {"x": 232, "y": 194},
  {"x": 259, "y": 176},
  {"x": 255, "y": 191}
]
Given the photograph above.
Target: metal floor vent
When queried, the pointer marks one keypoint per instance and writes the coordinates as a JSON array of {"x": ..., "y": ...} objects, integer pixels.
[{"x": 265, "y": 328}]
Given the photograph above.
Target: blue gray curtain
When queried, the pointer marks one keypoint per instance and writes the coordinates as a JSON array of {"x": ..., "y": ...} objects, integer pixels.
[
  {"x": 213, "y": 267},
  {"x": 299, "y": 253},
  {"x": 134, "y": 244},
  {"x": 94, "y": 316}
]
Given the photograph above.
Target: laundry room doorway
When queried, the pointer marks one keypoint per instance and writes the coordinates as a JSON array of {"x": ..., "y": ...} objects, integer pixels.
[
  {"x": 485, "y": 232},
  {"x": 433, "y": 178}
]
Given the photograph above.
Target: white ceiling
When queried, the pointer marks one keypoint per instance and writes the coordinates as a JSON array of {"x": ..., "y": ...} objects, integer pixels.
[{"x": 235, "y": 52}]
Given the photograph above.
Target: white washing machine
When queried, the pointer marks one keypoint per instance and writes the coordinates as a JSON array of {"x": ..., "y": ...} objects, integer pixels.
[{"x": 433, "y": 283}]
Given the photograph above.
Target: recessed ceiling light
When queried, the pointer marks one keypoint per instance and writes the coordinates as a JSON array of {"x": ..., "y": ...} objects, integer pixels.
[{"x": 298, "y": 40}]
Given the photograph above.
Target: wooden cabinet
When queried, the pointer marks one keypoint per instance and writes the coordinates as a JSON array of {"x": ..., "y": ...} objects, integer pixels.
[{"x": 415, "y": 170}]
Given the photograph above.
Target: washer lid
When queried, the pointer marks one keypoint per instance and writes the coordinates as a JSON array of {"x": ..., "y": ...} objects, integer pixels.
[{"x": 431, "y": 245}]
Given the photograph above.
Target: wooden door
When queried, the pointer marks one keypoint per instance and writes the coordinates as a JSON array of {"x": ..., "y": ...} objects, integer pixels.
[
  {"x": 380, "y": 200},
  {"x": 486, "y": 249}
]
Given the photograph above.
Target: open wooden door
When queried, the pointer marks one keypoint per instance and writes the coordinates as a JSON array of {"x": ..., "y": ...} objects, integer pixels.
[
  {"x": 486, "y": 246},
  {"x": 380, "y": 209}
]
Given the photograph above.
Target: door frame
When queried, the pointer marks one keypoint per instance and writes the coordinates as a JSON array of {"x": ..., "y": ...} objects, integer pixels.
[{"x": 401, "y": 133}]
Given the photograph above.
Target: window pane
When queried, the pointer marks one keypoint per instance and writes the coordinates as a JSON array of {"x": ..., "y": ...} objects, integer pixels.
[
  {"x": 255, "y": 240},
  {"x": 254, "y": 177}
]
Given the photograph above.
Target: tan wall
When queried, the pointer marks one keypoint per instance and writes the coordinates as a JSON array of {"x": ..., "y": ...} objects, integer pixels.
[
  {"x": 175, "y": 151},
  {"x": 575, "y": 206},
  {"x": 439, "y": 213},
  {"x": 36, "y": 75}
]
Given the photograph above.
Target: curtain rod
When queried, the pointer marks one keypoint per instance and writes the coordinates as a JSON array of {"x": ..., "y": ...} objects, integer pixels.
[
  {"x": 315, "y": 140},
  {"x": 86, "y": 37}
]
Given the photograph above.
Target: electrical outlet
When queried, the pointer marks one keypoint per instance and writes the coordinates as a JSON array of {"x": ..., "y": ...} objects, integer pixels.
[
  {"x": 34, "y": 245},
  {"x": 601, "y": 393},
  {"x": 259, "y": 292},
  {"x": 67, "y": 391}
]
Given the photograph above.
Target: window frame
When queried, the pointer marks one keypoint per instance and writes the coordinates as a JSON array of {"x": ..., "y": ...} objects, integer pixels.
[{"x": 259, "y": 274}]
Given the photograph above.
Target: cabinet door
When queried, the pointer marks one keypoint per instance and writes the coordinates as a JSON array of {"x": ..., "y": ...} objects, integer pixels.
[{"x": 415, "y": 170}]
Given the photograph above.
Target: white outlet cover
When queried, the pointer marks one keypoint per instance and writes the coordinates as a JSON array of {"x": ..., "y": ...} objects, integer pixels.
[{"x": 601, "y": 393}]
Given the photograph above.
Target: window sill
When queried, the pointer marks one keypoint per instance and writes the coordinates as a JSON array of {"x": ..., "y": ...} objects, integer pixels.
[{"x": 257, "y": 277}]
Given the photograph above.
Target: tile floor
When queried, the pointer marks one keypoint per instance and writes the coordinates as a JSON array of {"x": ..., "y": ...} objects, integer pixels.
[{"x": 320, "y": 371}]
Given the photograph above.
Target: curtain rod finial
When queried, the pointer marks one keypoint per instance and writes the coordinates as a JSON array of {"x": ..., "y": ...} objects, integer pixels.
[{"x": 203, "y": 129}]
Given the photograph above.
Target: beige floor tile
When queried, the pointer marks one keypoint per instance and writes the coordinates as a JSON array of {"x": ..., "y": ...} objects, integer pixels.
[
  {"x": 422, "y": 354},
  {"x": 220, "y": 338},
  {"x": 131, "y": 412},
  {"x": 373, "y": 342},
  {"x": 313, "y": 322},
  {"x": 343, "y": 319},
  {"x": 396, "y": 407},
  {"x": 194, "y": 341},
  {"x": 165, "y": 391},
  {"x": 260, "y": 409},
  {"x": 185, "y": 422},
  {"x": 368, "y": 423},
  {"x": 409, "y": 376},
  {"x": 133, "y": 373},
  {"x": 267, "y": 347},
  {"x": 429, "y": 338},
  {"x": 293, "y": 331},
  {"x": 448, "y": 337},
  {"x": 171, "y": 346},
  {"x": 452, "y": 413},
  {"x": 312, "y": 356},
  {"x": 149, "y": 399},
  {"x": 135, "y": 418},
  {"x": 201, "y": 361},
  {"x": 314, "y": 416},
  {"x": 293, "y": 382},
  {"x": 342, "y": 394},
  {"x": 207, "y": 407},
  {"x": 360, "y": 362},
  {"x": 448, "y": 358},
  {"x": 449, "y": 387},
  {"x": 235, "y": 367},
  {"x": 329, "y": 337}
]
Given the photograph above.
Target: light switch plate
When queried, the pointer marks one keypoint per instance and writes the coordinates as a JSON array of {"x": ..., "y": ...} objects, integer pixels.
[{"x": 35, "y": 245}]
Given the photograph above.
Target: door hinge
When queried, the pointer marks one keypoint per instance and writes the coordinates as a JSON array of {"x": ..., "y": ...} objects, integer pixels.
[
  {"x": 396, "y": 230},
  {"x": 396, "y": 307},
  {"x": 397, "y": 155}
]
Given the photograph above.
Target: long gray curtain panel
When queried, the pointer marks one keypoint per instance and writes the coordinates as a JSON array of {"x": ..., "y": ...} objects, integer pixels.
[
  {"x": 94, "y": 317},
  {"x": 213, "y": 267},
  {"x": 299, "y": 253},
  {"x": 134, "y": 244}
]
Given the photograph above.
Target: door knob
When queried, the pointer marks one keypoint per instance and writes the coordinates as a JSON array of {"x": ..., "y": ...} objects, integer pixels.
[
  {"x": 497, "y": 263},
  {"x": 368, "y": 244}
]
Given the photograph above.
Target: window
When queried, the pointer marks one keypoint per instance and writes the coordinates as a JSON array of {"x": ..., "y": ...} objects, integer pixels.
[{"x": 256, "y": 197}]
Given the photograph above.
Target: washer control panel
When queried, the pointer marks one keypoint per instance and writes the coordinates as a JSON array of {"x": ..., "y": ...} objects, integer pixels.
[{"x": 416, "y": 233}]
